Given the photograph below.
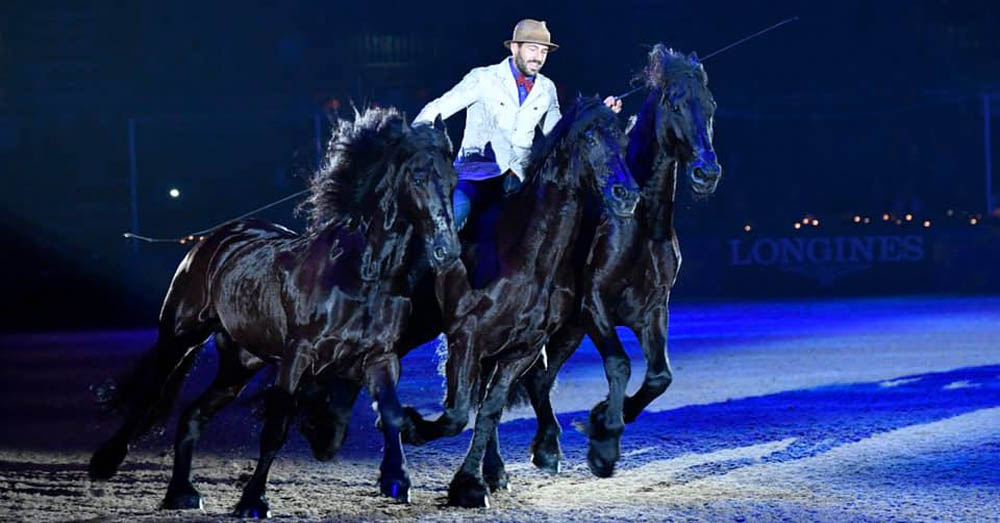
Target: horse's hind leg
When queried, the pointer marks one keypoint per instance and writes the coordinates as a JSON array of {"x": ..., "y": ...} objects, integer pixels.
[
  {"x": 236, "y": 367},
  {"x": 148, "y": 393},
  {"x": 545, "y": 450},
  {"x": 653, "y": 338},
  {"x": 381, "y": 376}
]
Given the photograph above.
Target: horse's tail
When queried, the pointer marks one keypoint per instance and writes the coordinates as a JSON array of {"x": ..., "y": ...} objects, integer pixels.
[
  {"x": 518, "y": 396},
  {"x": 145, "y": 394}
]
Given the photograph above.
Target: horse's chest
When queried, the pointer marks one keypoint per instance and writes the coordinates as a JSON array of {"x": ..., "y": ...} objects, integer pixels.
[{"x": 527, "y": 314}]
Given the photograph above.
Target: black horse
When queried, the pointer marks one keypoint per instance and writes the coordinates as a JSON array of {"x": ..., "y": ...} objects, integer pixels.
[
  {"x": 496, "y": 332},
  {"x": 336, "y": 298},
  {"x": 633, "y": 265}
]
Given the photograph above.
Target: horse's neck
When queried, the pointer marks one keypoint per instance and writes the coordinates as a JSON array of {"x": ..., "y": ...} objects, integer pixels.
[
  {"x": 657, "y": 197},
  {"x": 548, "y": 230}
]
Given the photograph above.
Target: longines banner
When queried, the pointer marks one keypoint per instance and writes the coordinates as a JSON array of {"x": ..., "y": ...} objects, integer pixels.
[
  {"x": 811, "y": 263},
  {"x": 826, "y": 258}
]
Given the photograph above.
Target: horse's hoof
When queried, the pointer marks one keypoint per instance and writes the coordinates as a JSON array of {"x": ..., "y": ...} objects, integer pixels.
[
  {"x": 252, "y": 508},
  {"x": 398, "y": 489},
  {"x": 497, "y": 482},
  {"x": 106, "y": 460},
  {"x": 468, "y": 492},
  {"x": 602, "y": 457},
  {"x": 182, "y": 501},
  {"x": 546, "y": 455}
]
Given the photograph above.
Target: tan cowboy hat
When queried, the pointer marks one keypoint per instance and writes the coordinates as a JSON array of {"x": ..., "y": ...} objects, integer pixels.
[{"x": 531, "y": 32}]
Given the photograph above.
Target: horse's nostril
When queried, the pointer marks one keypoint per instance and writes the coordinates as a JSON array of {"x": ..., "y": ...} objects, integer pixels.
[
  {"x": 440, "y": 253},
  {"x": 618, "y": 191}
]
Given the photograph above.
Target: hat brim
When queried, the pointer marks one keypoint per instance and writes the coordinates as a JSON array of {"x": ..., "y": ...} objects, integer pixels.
[{"x": 550, "y": 45}]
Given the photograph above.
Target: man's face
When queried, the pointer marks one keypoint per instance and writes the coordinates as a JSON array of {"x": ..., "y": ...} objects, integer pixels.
[{"x": 529, "y": 58}]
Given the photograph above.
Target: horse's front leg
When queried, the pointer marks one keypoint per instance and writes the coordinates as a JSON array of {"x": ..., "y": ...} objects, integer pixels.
[
  {"x": 607, "y": 423},
  {"x": 326, "y": 411},
  {"x": 381, "y": 375},
  {"x": 653, "y": 338},
  {"x": 279, "y": 409},
  {"x": 462, "y": 372},
  {"x": 467, "y": 487}
]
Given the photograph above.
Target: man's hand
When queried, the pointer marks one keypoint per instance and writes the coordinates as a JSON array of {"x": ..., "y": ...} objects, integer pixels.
[{"x": 614, "y": 103}]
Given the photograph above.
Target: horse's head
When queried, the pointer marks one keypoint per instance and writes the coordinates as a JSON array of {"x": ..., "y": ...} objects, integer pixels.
[
  {"x": 590, "y": 142},
  {"x": 684, "y": 113},
  {"x": 427, "y": 179}
]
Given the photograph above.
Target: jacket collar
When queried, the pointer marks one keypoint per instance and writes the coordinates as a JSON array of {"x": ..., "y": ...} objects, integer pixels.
[{"x": 502, "y": 70}]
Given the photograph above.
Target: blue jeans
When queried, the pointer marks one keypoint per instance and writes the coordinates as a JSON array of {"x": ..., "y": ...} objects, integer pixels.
[{"x": 478, "y": 193}]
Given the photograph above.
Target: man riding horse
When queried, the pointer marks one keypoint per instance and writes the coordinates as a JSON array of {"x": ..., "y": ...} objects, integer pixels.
[{"x": 506, "y": 102}]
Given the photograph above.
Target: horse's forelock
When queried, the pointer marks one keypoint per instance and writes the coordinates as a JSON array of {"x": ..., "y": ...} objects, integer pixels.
[{"x": 666, "y": 65}]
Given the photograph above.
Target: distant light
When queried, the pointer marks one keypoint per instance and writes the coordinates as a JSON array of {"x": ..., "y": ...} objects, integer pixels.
[
  {"x": 868, "y": 219},
  {"x": 174, "y": 193},
  {"x": 797, "y": 225},
  {"x": 973, "y": 220},
  {"x": 909, "y": 217},
  {"x": 857, "y": 219},
  {"x": 815, "y": 222},
  {"x": 886, "y": 217},
  {"x": 899, "y": 222},
  {"x": 927, "y": 223},
  {"x": 805, "y": 221},
  {"x": 951, "y": 212},
  {"x": 747, "y": 228}
]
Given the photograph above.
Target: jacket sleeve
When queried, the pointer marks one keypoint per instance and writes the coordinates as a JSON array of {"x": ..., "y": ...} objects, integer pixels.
[
  {"x": 457, "y": 98},
  {"x": 553, "y": 115}
]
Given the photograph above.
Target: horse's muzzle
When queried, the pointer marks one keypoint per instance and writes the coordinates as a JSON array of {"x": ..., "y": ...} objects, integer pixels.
[
  {"x": 705, "y": 175},
  {"x": 623, "y": 201}
]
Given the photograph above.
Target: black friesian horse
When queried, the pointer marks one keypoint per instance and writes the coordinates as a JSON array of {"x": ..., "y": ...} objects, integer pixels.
[
  {"x": 336, "y": 298},
  {"x": 496, "y": 332},
  {"x": 633, "y": 266}
]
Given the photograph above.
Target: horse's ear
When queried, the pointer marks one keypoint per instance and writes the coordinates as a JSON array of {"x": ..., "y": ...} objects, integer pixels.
[
  {"x": 693, "y": 58},
  {"x": 439, "y": 123}
]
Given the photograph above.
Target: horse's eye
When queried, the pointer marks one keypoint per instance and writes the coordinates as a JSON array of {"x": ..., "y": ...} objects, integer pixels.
[{"x": 675, "y": 108}]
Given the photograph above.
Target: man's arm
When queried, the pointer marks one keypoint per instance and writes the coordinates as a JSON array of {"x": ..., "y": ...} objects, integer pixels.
[
  {"x": 553, "y": 115},
  {"x": 457, "y": 98}
]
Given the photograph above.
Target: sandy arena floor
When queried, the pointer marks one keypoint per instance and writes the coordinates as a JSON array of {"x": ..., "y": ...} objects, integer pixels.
[{"x": 863, "y": 410}]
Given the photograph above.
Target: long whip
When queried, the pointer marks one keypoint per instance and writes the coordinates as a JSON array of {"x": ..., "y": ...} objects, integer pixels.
[
  {"x": 201, "y": 234},
  {"x": 717, "y": 51}
]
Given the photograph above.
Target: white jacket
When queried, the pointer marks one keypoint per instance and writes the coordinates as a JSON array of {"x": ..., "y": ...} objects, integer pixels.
[{"x": 490, "y": 95}]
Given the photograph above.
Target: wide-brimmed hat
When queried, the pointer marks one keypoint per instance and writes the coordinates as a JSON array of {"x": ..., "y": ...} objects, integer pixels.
[{"x": 530, "y": 31}]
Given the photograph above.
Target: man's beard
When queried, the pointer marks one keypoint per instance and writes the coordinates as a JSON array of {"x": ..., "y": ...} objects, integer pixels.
[{"x": 522, "y": 65}]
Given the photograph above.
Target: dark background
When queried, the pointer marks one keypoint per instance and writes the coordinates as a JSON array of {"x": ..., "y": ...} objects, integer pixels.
[{"x": 859, "y": 108}]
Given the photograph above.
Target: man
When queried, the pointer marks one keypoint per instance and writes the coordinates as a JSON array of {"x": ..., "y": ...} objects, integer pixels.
[{"x": 505, "y": 103}]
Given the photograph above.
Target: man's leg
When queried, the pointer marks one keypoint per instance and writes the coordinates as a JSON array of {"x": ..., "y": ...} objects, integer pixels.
[{"x": 461, "y": 204}]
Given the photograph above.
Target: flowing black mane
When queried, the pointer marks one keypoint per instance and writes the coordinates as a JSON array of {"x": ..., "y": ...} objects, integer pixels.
[
  {"x": 665, "y": 66},
  {"x": 550, "y": 156},
  {"x": 361, "y": 166}
]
